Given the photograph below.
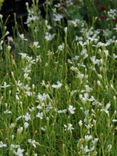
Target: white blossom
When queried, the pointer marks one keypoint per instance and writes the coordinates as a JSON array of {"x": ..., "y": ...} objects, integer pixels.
[
  {"x": 61, "y": 47},
  {"x": 112, "y": 13},
  {"x": 57, "y": 17},
  {"x": 62, "y": 111},
  {"x": 26, "y": 125},
  {"x": 84, "y": 53},
  {"x": 19, "y": 152},
  {"x": 2, "y": 145},
  {"x": 71, "y": 109},
  {"x": 106, "y": 109},
  {"x": 33, "y": 143},
  {"x": 27, "y": 117},
  {"x": 88, "y": 137},
  {"x": 80, "y": 123},
  {"x": 57, "y": 85},
  {"x": 43, "y": 97},
  {"x": 68, "y": 127},
  {"x": 94, "y": 60},
  {"x": 20, "y": 130},
  {"x": 7, "y": 112},
  {"x": 49, "y": 37},
  {"x": 36, "y": 44},
  {"x": 109, "y": 147},
  {"x": 39, "y": 115},
  {"x": 1, "y": 16},
  {"x": 114, "y": 120},
  {"x": 5, "y": 85},
  {"x": 22, "y": 37}
]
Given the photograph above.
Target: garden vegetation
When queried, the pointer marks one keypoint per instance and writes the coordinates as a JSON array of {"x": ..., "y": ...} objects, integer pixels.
[{"x": 58, "y": 81}]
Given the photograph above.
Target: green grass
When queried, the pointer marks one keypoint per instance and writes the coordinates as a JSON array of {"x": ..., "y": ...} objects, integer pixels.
[{"x": 58, "y": 88}]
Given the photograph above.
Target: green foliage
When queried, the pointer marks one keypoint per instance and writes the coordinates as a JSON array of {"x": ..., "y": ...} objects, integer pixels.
[
  {"x": 1, "y": 2},
  {"x": 58, "y": 86}
]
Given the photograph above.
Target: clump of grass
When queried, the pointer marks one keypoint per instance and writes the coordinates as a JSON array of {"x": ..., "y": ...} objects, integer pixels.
[{"x": 58, "y": 89}]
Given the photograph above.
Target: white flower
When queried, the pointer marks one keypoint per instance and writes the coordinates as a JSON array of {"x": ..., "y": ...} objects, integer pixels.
[
  {"x": 26, "y": 76},
  {"x": 65, "y": 29},
  {"x": 17, "y": 97},
  {"x": 84, "y": 97},
  {"x": 31, "y": 18},
  {"x": 95, "y": 141},
  {"x": 75, "y": 69},
  {"x": 20, "y": 130},
  {"x": 49, "y": 107},
  {"x": 106, "y": 109},
  {"x": 61, "y": 47},
  {"x": 62, "y": 111},
  {"x": 112, "y": 13},
  {"x": 39, "y": 107},
  {"x": 74, "y": 22},
  {"x": 109, "y": 147},
  {"x": 114, "y": 120},
  {"x": 33, "y": 142},
  {"x": 69, "y": 127},
  {"x": 36, "y": 44},
  {"x": 92, "y": 98},
  {"x": 101, "y": 44},
  {"x": 80, "y": 76},
  {"x": 114, "y": 56},
  {"x": 47, "y": 25},
  {"x": 2, "y": 145},
  {"x": 22, "y": 37},
  {"x": 88, "y": 89},
  {"x": 71, "y": 109},
  {"x": 27, "y": 117},
  {"x": 10, "y": 38},
  {"x": 43, "y": 129},
  {"x": 27, "y": 90},
  {"x": 49, "y": 37},
  {"x": 88, "y": 137},
  {"x": 12, "y": 147},
  {"x": 94, "y": 60},
  {"x": 1, "y": 16},
  {"x": 39, "y": 115},
  {"x": 7, "y": 33},
  {"x": 57, "y": 17},
  {"x": 7, "y": 112},
  {"x": 24, "y": 56},
  {"x": 86, "y": 149},
  {"x": 42, "y": 97},
  {"x": 9, "y": 47},
  {"x": 19, "y": 152},
  {"x": 5, "y": 85},
  {"x": 38, "y": 58},
  {"x": 80, "y": 123},
  {"x": 26, "y": 125},
  {"x": 12, "y": 125},
  {"x": 84, "y": 53},
  {"x": 57, "y": 85}
]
